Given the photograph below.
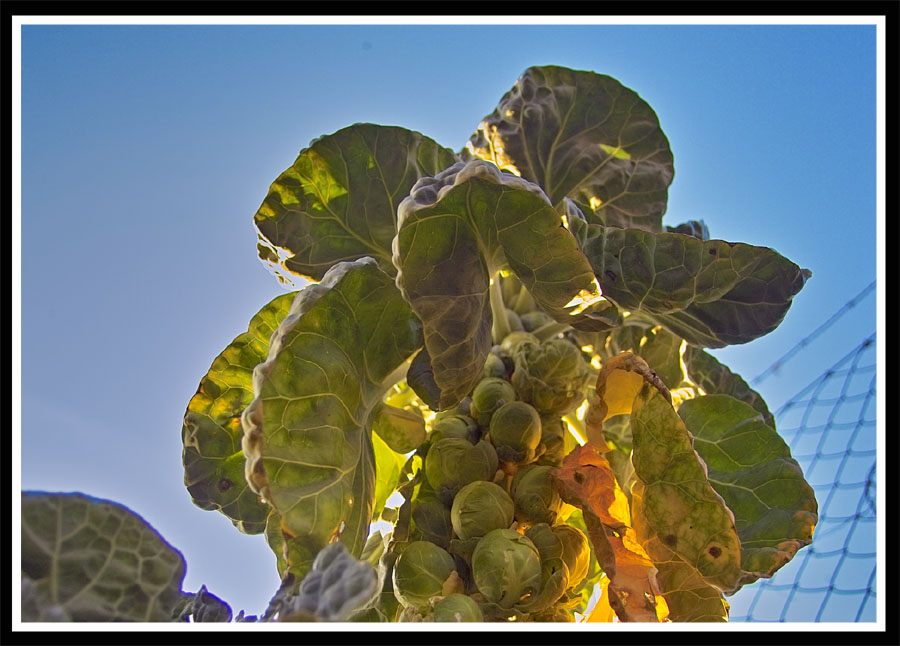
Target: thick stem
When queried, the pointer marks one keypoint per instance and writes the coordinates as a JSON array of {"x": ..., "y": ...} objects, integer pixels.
[
  {"x": 500, "y": 326},
  {"x": 550, "y": 330}
]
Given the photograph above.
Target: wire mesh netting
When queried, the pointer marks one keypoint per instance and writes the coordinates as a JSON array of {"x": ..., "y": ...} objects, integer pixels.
[{"x": 831, "y": 428}]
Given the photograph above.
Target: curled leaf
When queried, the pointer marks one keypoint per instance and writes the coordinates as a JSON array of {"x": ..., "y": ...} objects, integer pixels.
[
  {"x": 620, "y": 380},
  {"x": 212, "y": 432},
  {"x": 339, "y": 199},
  {"x": 751, "y": 467},
  {"x": 584, "y": 136},
  {"x": 586, "y": 481},
  {"x": 307, "y": 433},
  {"x": 455, "y": 232},
  {"x": 682, "y": 509}
]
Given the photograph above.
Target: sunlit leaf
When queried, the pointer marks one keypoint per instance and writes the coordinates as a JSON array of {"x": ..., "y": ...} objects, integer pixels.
[
  {"x": 584, "y": 136},
  {"x": 618, "y": 383},
  {"x": 682, "y": 509},
  {"x": 212, "y": 433},
  {"x": 307, "y": 433},
  {"x": 688, "y": 596},
  {"x": 388, "y": 464},
  {"x": 339, "y": 199},
  {"x": 586, "y": 481},
  {"x": 750, "y": 466}
]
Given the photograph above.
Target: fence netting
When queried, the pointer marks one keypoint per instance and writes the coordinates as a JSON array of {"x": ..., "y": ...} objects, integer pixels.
[{"x": 831, "y": 428}]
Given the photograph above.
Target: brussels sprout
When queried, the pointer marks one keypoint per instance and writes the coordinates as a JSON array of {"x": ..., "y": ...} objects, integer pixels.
[
  {"x": 535, "y": 495},
  {"x": 553, "y": 437},
  {"x": 495, "y": 367},
  {"x": 420, "y": 573},
  {"x": 515, "y": 432},
  {"x": 452, "y": 463},
  {"x": 550, "y": 376},
  {"x": 457, "y": 608},
  {"x": 513, "y": 341},
  {"x": 432, "y": 521},
  {"x": 548, "y": 544},
  {"x": 490, "y": 394},
  {"x": 461, "y": 426},
  {"x": 506, "y": 568},
  {"x": 479, "y": 508},
  {"x": 535, "y": 319},
  {"x": 576, "y": 552}
]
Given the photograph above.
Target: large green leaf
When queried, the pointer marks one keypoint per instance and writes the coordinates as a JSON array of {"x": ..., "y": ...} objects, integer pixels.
[
  {"x": 717, "y": 379},
  {"x": 710, "y": 292},
  {"x": 85, "y": 559},
  {"x": 751, "y": 467},
  {"x": 456, "y": 230},
  {"x": 339, "y": 199},
  {"x": 307, "y": 433},
  {"x": 683, "y": 511},
  {"x": 212, "y": 433},
  {"x": 584, "y": 136}
]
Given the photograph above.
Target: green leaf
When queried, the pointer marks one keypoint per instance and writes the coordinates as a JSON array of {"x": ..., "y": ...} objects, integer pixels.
[
  {"x": 716, "y": 379},
  {"x": 388, "y": 464},
  {"x": 712, "y": 293},
  {"x": 212, "y": 433},
  {"x": 339, "y": 199},
  {"x": 683, "y": 511},
  {"x": 750, "y": 466},
  {"x": 86, "y": 559},
  {"x": 403, "y": 430},
  {"x": 307, "y": 433},
  {"x": 584, "y": 136},
  {"x": 456, "y": 231},
  {"x": 275, "y": 541}
]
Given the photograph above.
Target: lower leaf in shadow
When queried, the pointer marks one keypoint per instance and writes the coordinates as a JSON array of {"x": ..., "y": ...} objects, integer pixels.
[{"x": 86, "y": 559}]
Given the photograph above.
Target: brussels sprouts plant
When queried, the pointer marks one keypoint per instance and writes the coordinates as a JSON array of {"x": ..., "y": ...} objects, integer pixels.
[{"x": 498, "y": 350}]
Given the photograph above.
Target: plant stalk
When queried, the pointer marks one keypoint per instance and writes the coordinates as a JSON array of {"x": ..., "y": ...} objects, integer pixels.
[{"x": 500, "y": 325}]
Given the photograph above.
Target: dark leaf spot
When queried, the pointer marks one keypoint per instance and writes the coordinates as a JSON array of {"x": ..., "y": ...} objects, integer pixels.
[
  {"x": 713, "y": 252},
  {"x": 669, "y": 540},
  {"x": 611, "y": 275},
  {"x": 715, "y": 552},
  {"x": 224, "y": 484},
  {"x": 578, "y": 477}
]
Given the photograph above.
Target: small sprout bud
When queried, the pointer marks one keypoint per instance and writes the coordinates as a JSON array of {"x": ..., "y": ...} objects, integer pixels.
[
  {"x": 490, "y": 394},
  {"x": 457, "y": 608},
  {"x": 535, "y": 495},
  {"x": 516, "y": 432},
  {"x": 453, "y": 462},
  {"x": 420, "y": 572},
  {"x": 506, "y": 568},
  {"x": 479, "y": 508}
]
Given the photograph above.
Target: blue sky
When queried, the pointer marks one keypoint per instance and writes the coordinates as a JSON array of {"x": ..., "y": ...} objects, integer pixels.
[{"x": 146, "y": 151}]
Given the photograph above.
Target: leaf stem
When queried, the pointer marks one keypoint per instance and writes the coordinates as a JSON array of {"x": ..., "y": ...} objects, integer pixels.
[
  {"x": 550, "y": 330},
  {"x": 500, "y": 325}
]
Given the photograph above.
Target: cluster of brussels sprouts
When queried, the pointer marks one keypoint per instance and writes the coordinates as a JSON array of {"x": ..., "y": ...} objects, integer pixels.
[{"x": 487, "y": 541}]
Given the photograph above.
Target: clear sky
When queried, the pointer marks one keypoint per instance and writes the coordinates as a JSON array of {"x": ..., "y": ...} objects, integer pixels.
[{"x": 146, "y": 150}]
